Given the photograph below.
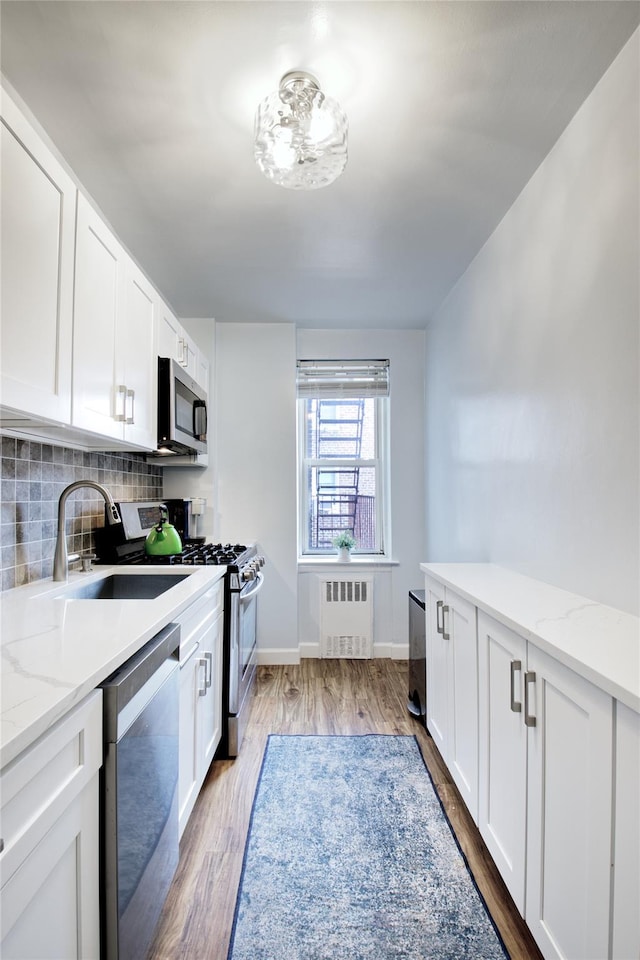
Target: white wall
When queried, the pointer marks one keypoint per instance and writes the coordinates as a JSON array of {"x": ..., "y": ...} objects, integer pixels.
[
  {"x": 255, "y": 458},
  {"x": 405, "y": 351},
  {"x": 532, "y": 369}
]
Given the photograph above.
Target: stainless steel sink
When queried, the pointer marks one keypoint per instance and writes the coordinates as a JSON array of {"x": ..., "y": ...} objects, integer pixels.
[{"x": 124, "y": 586}]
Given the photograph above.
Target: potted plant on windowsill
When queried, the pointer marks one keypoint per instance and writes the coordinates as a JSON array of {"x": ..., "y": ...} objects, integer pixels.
[{"x": 345, "y": 544}]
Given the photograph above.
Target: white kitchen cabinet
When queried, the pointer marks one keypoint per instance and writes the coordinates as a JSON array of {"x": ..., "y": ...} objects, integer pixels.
[
  {"x": 202, "y": 371},
  {"x": 136, "y": 359},
  {"x": 545, "y": 791},
  {"x": 200, "y": 695},
  {"x": 113, "y": 347},
  {"x": 626, "y": 876},
  {"x": 49, "y": 866},
  {"x": 452, "y": 681},
  {"x": 169, "y": 333},
  {"x": 38, "y": 235},
  {"x": 502, "y": 751},
  {"x": 173, "y": 341},
  {"x": 437, "y": 667},
  {"x": 569, "y": 810}
]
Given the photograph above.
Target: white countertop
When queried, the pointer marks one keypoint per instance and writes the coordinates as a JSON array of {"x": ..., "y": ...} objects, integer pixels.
[
  {"x": 600, "y": 643},
  {"x": 55, "y": 651}
]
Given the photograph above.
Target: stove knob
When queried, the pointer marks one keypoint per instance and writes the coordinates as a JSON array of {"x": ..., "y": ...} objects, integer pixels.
[
  {"x": 248, "y": 573},
  {"x": 261, "y": 560}
]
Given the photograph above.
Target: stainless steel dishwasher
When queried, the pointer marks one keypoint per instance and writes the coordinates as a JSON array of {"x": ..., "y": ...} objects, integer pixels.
[
  {"x": 417, "y": 701},
  {"x": 139, "y": 807}
]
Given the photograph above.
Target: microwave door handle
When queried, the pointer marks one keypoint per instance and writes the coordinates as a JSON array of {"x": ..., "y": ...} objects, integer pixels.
[{"x": 200, "y": 419}]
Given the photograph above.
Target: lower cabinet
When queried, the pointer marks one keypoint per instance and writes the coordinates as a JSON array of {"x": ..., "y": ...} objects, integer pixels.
[
  {"x": 545, "y": 776},
  {"x": 452, "y": 686},
  {"x": 200, "y": 697},
  {"x": 626, "y": 847},
  {"x": 50, "y": 831},
  {"x": 502, "y": 752}
]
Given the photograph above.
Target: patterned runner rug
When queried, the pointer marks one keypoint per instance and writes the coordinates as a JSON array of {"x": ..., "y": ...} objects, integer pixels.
[{"x": 350, "y": 856}]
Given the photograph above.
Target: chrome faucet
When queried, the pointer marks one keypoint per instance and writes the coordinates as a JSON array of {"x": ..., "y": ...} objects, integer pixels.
[{"x": 60, "y": 558}]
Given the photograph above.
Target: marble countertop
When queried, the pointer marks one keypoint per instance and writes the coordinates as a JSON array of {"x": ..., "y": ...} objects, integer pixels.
[
  {"x": 54, "y": 651},
  {"x": 600, "y": 643}
]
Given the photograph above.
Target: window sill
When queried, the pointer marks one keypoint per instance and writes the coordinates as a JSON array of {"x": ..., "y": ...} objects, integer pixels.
[{"x": 321, "y": 563}]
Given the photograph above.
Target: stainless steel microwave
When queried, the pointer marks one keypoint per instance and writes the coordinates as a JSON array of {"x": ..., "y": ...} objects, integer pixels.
[{"x": 182, "y": 411}]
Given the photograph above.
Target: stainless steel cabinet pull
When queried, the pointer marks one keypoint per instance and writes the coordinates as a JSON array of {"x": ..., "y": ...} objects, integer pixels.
[
  {"x": 439, "y": 626},
  {"x": 121, "y": 393},
  {"x": 208, "y": 678},
  {"x": 203, "y": 692},
  {"x": 445, "y": 635},
  {"x": 131, "y": 395},
  {"x": 183, "y": 360},
  {"x": 516, "y": 667},
  {"x": 529, "y": 719}
]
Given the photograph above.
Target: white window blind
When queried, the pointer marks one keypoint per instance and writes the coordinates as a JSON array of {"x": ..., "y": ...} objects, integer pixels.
[{"x": 343, "y": 378}]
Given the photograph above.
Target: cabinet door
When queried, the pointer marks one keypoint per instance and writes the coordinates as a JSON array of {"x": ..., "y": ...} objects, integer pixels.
[
  {"x": 626, "y": 877},
  {"x": 37, "y": 238},
  {"x": 50, "y": 905},
  {"x": 210, "y": 719},
  {"x": 188, "y": 777},
  {"x": 460, "y": 635},
  {"x": 569, "y": 811},
  {"x": 136, "y": 360},
  {"x": 188, "y": 354},
  {"x": 502, "y": 756},
  {"x": 437, "y": 666},
  {"x": 168, "y": 334},
  {"x": 202, "y": 374},
  {"x": 99, "y": 400}
]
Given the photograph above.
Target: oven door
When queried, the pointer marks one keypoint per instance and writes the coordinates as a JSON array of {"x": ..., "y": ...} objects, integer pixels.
[{"x": 242, "y": 653}]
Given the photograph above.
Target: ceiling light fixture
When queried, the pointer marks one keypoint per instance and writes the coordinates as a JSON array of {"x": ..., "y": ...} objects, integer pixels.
[{"x": 300, "y": 135}]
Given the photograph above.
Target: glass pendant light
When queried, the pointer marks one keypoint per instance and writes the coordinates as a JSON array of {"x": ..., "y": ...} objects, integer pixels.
[{"x": 300, "y": 135}]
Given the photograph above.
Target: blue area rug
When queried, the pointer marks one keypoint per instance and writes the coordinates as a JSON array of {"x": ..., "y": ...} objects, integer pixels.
[{"x": 350, "y": 856}]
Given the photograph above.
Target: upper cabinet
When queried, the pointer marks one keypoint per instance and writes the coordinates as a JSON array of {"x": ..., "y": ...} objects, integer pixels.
[
  {"x": 173, "y": 341},
  {"x": 113, "y": 346},
  {"x": 82, "y": 327},
  {"x": 38, "y": 222}
]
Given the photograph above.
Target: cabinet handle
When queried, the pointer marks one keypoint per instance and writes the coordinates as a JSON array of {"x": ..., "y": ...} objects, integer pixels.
[
  {"x": 439, "y": 626},
  {"x": 131, "y": 395},
  {"x": 529, "y": 719},
  {"x": 183, "y": 359},
  {"x": 121, "y": 393},
  {"x": 207, "y": 679},
  {"x": 516, "y": 667},
  {"x": 445, "y": 635},
  {"x": 203, "y": 663},
  {"x": 1, "y": 845}
]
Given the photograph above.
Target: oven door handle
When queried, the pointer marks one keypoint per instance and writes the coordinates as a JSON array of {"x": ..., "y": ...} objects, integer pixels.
[{"x": 251, "y": 593}]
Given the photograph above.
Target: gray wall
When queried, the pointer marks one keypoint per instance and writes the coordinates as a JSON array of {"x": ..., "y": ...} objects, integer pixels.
[
  {"x": 33, "y": 477},
  {"x": 532, "y": 369}
]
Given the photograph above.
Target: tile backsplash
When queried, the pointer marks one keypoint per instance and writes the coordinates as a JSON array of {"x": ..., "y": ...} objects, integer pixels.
[{"x": 33, "y": 477}]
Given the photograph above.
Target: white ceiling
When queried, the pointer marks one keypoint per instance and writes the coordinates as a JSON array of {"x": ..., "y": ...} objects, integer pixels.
[{"x": 451, "y": 106}]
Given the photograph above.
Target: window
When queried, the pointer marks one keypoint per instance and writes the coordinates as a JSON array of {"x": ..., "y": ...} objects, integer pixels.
[{"x": 342, "y": 413}]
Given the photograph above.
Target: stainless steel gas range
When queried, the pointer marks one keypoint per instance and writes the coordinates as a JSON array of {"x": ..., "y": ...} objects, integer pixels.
[{"x": 242, "y": 582}]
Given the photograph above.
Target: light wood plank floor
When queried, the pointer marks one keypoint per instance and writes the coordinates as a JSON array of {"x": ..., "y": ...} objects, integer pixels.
[{"x": 318, "y": 696}]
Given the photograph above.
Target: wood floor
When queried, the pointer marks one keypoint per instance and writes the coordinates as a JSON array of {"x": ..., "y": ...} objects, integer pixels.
[{"x": 318, "y": 696}]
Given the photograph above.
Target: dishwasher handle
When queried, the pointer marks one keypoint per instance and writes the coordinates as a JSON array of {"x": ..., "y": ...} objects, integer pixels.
[{"x": 122, "y": 686}]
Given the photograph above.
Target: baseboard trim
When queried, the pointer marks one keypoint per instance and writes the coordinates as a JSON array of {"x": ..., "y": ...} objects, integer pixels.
[
  {"x": 276, "y": 656},
  {"x": 387, "y": 651}
]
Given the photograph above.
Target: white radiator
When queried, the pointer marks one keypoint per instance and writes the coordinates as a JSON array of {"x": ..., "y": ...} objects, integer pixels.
[{"x": 346, "y": 618}]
